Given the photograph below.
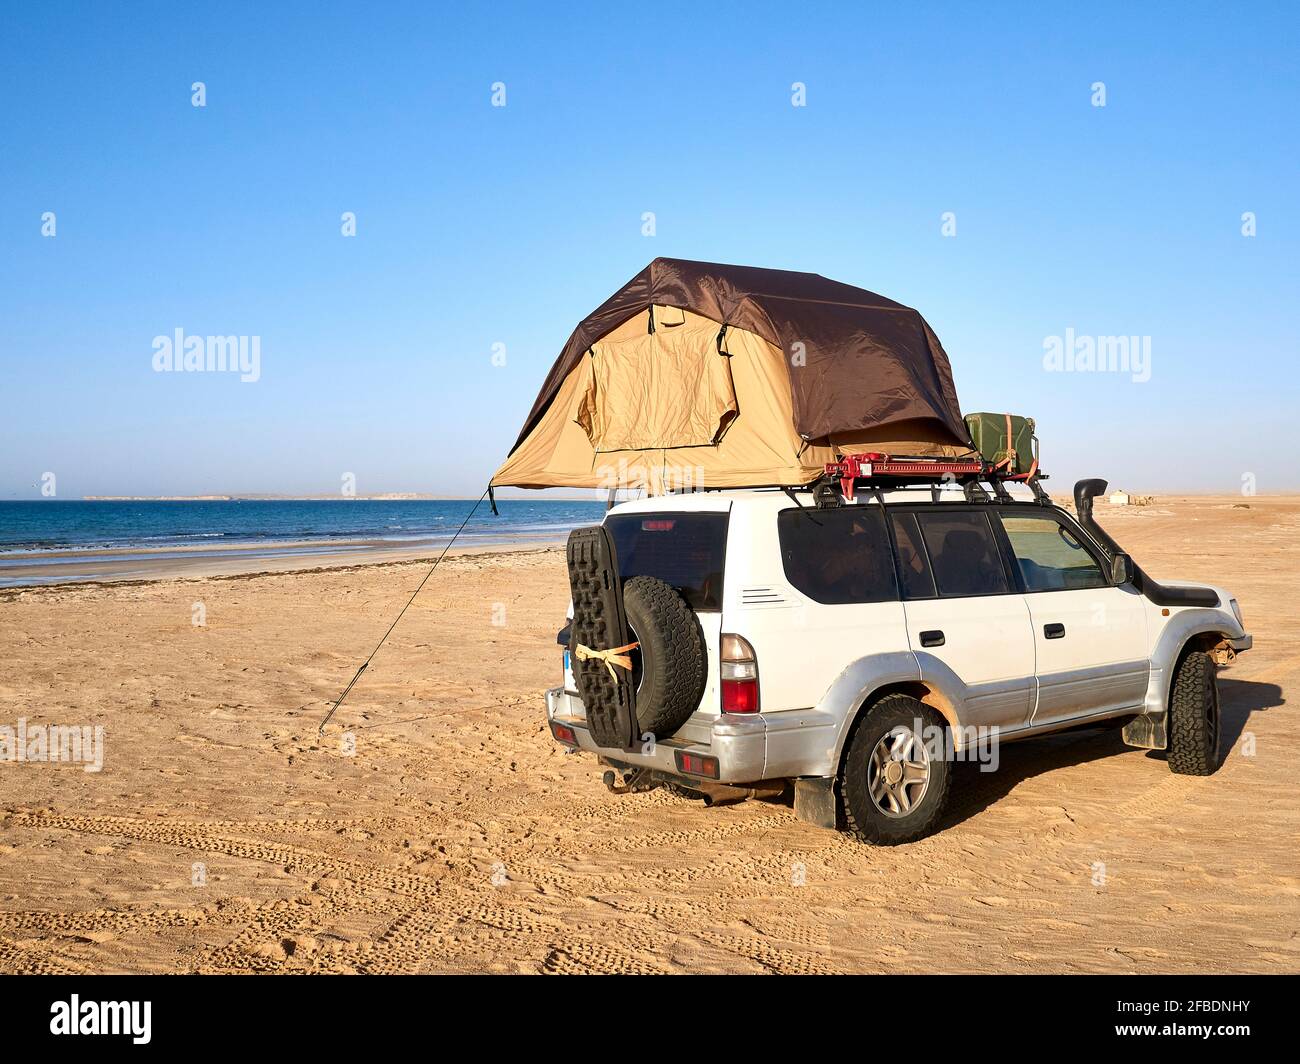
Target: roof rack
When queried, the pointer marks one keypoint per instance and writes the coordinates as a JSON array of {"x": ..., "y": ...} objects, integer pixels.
[{"x": 876, "y": 473}]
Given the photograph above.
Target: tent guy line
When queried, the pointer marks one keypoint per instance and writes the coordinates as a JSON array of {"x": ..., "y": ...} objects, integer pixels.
[{"x": 351, "y": 683}]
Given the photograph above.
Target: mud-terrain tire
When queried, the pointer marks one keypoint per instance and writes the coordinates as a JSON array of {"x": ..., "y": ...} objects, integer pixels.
[
  {"x": 870, "y": 818},
  {"x": 1194, "y": 724},
  {"x": 670, "y": 666}
]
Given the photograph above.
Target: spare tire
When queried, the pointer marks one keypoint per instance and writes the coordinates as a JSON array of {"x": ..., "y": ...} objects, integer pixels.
[{"x": 669, "y": 667}]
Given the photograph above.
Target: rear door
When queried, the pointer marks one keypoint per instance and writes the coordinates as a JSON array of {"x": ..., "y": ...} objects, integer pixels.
[
  {"x": 686, "y": 549},
  {"x": 965, "y": 615},
  {"x": 1090, "y": 636}
]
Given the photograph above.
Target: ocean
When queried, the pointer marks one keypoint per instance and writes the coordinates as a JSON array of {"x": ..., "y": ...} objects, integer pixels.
[{"x": 34, "y": 535}]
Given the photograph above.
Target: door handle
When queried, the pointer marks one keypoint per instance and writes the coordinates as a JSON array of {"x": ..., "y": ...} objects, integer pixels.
[
  {"x": 1054, "y": 631},
  {"x": 932, "y": 639}
]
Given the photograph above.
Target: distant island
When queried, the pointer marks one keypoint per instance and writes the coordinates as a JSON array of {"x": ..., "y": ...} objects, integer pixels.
[{"x": 156, "y": 498}]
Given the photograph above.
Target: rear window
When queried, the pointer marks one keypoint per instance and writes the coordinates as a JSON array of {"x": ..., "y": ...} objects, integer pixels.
[
  {"x": 683, "y": 550},
  {"x": 838, "y": 556}
]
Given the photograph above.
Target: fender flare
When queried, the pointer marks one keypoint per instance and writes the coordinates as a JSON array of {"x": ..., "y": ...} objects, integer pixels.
[
  {"x": 863, "y": 679},
  {"x": 1148, "y": 730},
  {"x": 1181, "y": 629}
]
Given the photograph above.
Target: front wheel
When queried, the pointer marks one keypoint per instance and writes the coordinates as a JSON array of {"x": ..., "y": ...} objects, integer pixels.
[
  {"x": 895, "y": 779},
  {"x": 1194, "y": 725}
]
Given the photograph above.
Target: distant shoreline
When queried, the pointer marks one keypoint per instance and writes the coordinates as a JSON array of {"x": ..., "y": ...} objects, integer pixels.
[
  {"x": 541, "y": 496},
  {"x": 134, "y": 564},
  {"x": 390, "y": 496},
  {"x": 133, "y": 539},
  {"x": 107, "y": 570}
]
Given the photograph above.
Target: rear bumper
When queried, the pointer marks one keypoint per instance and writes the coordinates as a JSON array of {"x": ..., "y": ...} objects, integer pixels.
[{"x": 750, "y": 748}]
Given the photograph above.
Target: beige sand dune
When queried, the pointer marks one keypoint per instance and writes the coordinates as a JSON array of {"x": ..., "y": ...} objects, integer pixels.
[{"x": 221, "y": 836}]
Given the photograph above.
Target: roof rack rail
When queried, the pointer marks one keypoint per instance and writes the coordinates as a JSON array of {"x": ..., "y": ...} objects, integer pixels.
[{"x": 877, "y": 472}]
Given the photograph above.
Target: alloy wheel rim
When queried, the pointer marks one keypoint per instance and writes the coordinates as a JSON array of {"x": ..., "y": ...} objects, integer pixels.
[{"x": 898, "y": 773}]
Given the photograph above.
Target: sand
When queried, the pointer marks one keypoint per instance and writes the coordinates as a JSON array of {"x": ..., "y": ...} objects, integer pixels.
[{"x": 222, "y": 836}]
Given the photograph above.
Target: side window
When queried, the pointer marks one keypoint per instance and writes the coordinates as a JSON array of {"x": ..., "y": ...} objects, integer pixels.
[
  {"x": 1050, "y": 558},
  {"x": 963, "y": 553},
  {"x": 913, "y": 565},
  {"x": 838, "y": 556}
]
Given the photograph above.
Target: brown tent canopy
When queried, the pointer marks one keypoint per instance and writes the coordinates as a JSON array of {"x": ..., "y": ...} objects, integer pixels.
[{"x": 700, "y": 375}]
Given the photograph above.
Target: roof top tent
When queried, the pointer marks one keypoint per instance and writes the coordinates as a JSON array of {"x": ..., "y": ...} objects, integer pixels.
[{"x": 698, "y": 375}]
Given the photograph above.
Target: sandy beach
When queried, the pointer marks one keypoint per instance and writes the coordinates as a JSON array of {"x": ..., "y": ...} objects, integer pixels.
[{"x": 437, "y": 827}]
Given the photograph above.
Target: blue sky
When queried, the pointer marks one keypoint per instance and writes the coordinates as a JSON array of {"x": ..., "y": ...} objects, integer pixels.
[{"x": 479, "y": 225}]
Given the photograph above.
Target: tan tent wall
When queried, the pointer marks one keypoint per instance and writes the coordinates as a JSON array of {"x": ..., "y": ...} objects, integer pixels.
[
  {"x": 662, "y": 389},
  {"x": 724, "y": 422},
  {"x": 755, "y": 446}
]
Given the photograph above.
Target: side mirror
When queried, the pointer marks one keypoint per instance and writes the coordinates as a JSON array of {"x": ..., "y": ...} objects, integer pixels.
[{"x": 1121, "y": 569}]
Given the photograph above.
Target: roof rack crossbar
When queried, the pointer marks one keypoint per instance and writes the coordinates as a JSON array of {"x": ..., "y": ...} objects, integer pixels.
[{"x": 878, "y": 473}]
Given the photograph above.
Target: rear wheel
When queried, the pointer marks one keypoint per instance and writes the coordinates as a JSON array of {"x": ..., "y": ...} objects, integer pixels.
[
  {"x": 895, "y": 779},
  {"x": 1194, "y": 725}
]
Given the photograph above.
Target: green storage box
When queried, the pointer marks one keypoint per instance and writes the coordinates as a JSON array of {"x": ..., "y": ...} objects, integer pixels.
[{"x": 998, "y": 435}]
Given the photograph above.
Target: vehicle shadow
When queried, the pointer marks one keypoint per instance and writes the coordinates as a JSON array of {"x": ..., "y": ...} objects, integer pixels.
[
  {"x": 1238, "y": 699},
  {"x": 974, "y": 791}
]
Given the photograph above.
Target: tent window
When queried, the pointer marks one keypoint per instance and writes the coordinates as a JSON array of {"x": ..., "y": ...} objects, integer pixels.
[{"x": 659, "y": 390}]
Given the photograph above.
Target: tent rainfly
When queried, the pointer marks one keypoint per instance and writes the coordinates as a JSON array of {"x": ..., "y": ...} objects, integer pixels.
[{"x": 698, "y": 375}]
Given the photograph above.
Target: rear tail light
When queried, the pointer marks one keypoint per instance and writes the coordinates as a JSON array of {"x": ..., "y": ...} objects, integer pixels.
[
  {"x": 739, "y": 676},
  {"x": 697, "y": 765},
  {"x": 564, "y": 734}
]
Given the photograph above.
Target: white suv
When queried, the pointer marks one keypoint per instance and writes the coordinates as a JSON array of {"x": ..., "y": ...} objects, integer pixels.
[{"x": 857, "y": 647}]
